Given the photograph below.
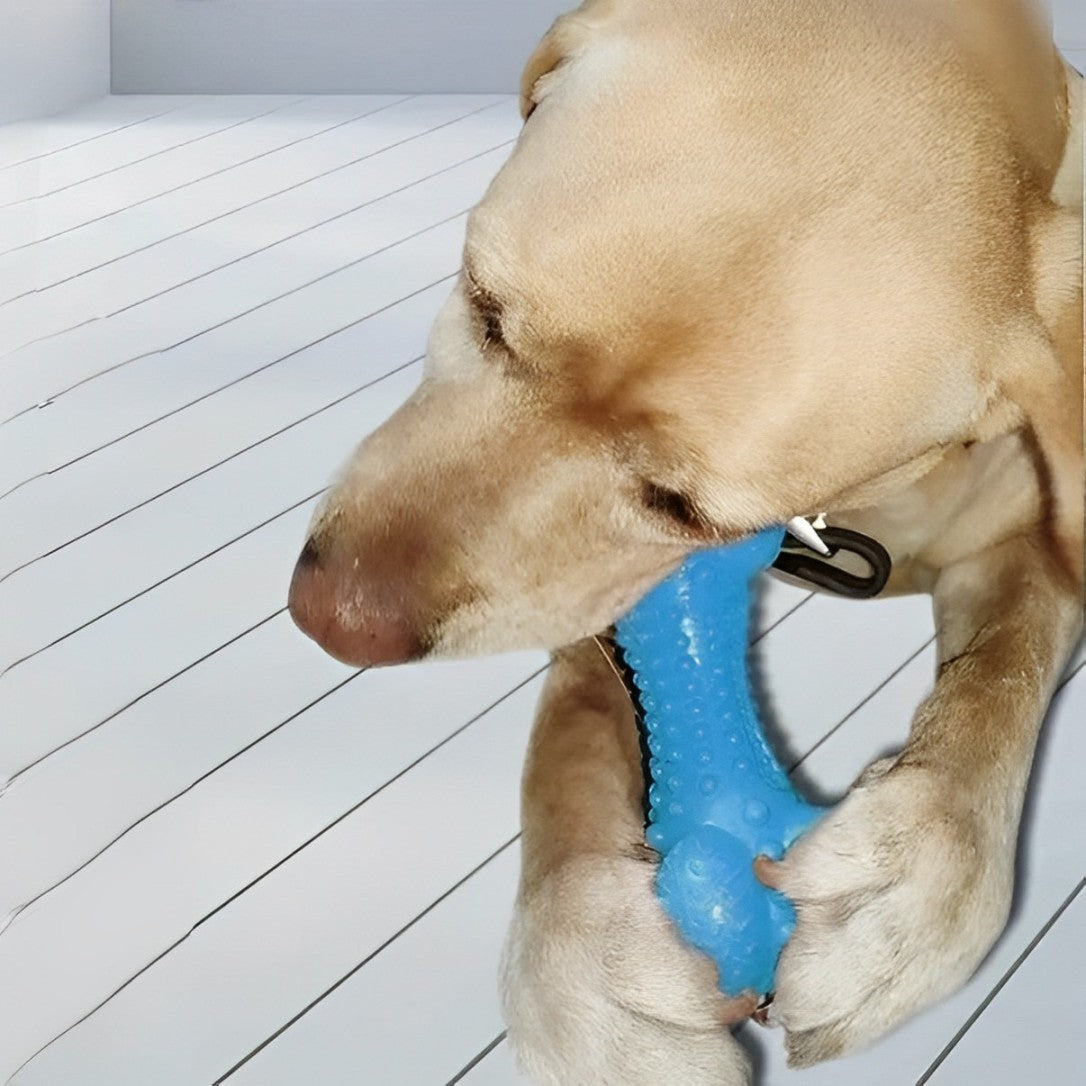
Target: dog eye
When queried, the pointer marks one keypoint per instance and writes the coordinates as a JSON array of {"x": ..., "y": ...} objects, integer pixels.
[
  {"x": 492, "y": 328},
  {"x": 489, "y": 313},
  {"x": 673, "y": 504}
]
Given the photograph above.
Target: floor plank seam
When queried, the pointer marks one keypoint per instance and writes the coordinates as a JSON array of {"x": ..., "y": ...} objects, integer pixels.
[
  {"x": 218, "y": 463},
  {"x": 1003, "y": 981},
  {"x": 84, "y": 1017},
  {"x": 859, "y": 705},
  {"x": 265, "y": 248},
  {"x": 253, "y": 252},
  {"x": 289, "y": 188},
  {"x": 14, "y": 914},
  {"x": 478, "y": 1059},
  {"x": 99, "y": 135},
  {"x": 253, "y": 309},
  {"x": 787, "y": 614},
  {"x": 205, "y": 177},
  {"x": 315, "y": 226},
  {"x": 221, "y": 324},
  {"x": 354, "y": 808},
  {"x": 155, "y": 154},
  {"x": 214, "y": 218},
  {"x": 229, "y": 384},
  {"x": 14, "y": 777},
  {"x": 157, "y": 584},
  {"x": 365, "y": 961}
]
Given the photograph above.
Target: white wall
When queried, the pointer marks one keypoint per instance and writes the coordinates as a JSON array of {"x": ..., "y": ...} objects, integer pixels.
[
  {"x": 227, "y": 46},
  {"x": 230, "y": 46},
  {"x": 53, "y": 54},
  {"x": 1069, "y": 17}
]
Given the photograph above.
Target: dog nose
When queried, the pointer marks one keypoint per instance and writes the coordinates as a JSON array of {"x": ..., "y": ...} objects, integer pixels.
[{"x": 356, "y": 620}]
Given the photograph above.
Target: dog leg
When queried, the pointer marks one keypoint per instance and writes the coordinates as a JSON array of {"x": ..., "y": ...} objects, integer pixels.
[
  {"x": 902, "y": 890},
  {"x": 598, "y": 988}
]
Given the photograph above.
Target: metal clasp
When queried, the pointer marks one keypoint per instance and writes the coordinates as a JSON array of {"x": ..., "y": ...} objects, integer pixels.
[{"x": 797, "y": 558}]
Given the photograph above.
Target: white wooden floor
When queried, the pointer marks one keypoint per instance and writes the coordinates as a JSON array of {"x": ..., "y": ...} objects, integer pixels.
[{"x": 223, "y": 856}]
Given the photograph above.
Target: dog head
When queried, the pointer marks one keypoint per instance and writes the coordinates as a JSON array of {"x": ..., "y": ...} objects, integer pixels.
[{"x": 684, "y": 314}]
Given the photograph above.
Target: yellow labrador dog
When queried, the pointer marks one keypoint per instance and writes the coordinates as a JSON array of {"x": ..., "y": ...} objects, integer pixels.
[{"x": 750, "y": 259}]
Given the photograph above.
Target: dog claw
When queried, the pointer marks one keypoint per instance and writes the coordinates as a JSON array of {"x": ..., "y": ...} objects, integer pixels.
[
  {"x": 761, "y": 1013},
  {"x": 768, "y": 872}
]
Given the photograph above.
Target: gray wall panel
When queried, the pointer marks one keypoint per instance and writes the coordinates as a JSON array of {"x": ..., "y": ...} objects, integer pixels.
[
  {"x": 1069, "y": 17},
  {"x": 229, "y": 46},
  {"x": 53, "y": 54}
]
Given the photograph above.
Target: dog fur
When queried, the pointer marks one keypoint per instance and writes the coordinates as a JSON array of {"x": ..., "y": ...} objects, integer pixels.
[{"x": 748, "y": 260}]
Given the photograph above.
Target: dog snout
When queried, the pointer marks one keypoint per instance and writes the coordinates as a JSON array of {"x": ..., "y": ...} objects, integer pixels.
[{"x": 354, "y": 616}]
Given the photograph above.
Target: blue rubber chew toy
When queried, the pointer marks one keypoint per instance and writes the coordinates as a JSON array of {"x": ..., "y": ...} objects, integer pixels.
[{"x": 719, "y": 797}]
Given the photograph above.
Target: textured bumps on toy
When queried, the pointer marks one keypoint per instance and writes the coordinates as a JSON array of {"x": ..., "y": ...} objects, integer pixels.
[{"x": 719, "y": 797}]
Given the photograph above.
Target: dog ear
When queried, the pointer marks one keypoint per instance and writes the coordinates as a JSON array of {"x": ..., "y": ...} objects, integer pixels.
[{"x": 566, "y": 36}]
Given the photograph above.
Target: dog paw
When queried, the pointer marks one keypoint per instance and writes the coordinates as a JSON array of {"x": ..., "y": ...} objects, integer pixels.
[
  {"x": 900, "y": 891},
  {"x": 599, "y": 989}
]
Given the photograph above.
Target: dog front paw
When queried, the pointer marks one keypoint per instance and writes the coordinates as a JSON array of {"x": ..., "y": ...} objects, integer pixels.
[
  {"x": 900, "y": 891},
  {"x": 599, "y": 989}
]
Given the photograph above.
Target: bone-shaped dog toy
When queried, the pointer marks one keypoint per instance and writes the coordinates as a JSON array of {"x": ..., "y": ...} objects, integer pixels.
[{"x": 719, "y": 797}]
